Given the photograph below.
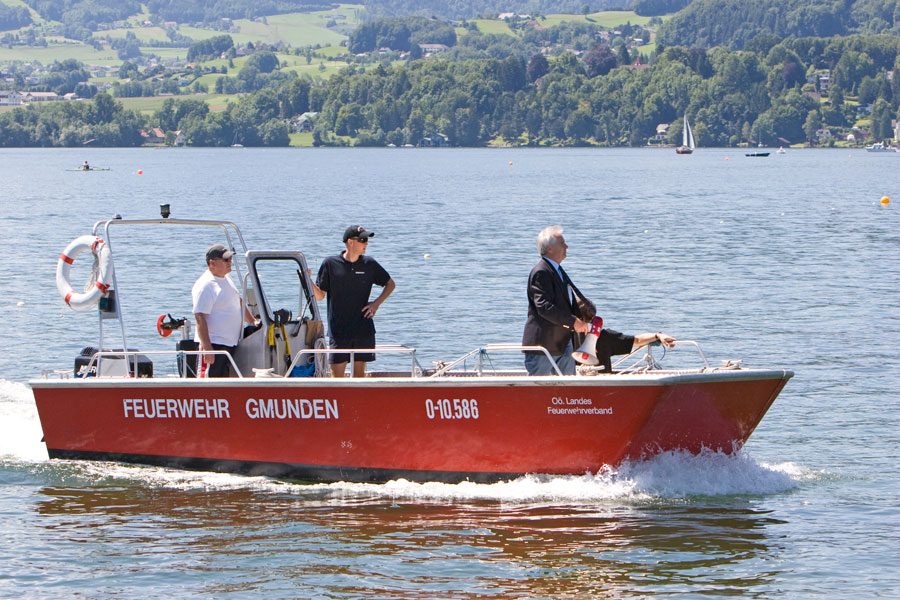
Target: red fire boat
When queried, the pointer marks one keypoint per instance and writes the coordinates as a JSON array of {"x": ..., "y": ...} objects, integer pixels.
[{"x": 461, "y": 420}]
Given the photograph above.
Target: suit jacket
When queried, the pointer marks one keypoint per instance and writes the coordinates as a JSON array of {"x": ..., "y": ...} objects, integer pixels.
[{"x": 551, "y": 315}]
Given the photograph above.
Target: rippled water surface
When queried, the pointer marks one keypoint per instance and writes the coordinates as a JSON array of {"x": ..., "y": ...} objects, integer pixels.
[{"x": 788, "y": 261}]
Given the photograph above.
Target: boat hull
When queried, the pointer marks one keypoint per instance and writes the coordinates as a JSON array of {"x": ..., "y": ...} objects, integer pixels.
[{"x": 421, "y": 429}]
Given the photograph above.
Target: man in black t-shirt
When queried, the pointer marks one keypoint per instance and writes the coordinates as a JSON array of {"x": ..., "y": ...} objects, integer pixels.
[{"x": 347, "y": 279}]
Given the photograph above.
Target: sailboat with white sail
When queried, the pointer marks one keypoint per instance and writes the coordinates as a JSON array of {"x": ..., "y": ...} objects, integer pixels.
[{"x": 687, "y": 139}]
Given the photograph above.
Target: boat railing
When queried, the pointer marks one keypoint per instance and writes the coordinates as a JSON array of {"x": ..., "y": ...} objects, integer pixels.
[
  {"x": 131, "y": 360},
  {"x": 481, "y": 354},
  {"x": 647, "y": 361},
  {"x": 416, "y": 369},
  {"x": 232, "y": 234}
]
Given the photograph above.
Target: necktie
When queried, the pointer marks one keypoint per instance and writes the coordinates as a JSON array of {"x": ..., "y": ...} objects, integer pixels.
[{"x": 568, "y": 283}]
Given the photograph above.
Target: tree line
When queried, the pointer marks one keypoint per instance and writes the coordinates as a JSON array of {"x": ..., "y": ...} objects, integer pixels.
[
  {"x": 734, "y": 23},
  {"x": 761, "y": 95},
  {"x": 400, "y": 33},
  {"x": 205, "y": 11},
  {"x": 470, "y": 9},
  {"x": 253, "y": 121},
  {"x": 730, "y": 96},
  {"x": 13, "y": 17}
]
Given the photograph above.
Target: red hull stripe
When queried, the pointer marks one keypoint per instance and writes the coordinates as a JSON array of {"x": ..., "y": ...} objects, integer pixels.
[
  {"x": 294, "y": 472},
  {"x": 65, "y": 258}
]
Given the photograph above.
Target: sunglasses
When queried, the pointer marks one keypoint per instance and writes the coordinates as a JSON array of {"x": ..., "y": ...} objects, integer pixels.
[{"x": 361, "y": 240}]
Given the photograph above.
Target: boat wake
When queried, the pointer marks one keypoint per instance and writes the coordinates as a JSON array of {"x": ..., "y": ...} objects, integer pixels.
[
  {"x": 20, "y": 428},
  {"x": 671, "y": 475},
  {"x": 667, "y": 476}
]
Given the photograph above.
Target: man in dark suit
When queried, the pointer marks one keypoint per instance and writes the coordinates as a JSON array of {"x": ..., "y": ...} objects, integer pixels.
[{"x": 552, "y": 311}]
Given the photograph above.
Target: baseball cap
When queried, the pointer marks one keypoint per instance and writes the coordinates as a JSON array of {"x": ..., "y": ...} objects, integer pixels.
[
  {"x": 218, "y": 251},
  {"x": 357, "y": 231}
]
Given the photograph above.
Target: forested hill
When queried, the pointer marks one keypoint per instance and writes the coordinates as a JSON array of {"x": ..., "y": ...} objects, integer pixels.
[
  {"x": 468, "y": 9},
  {"x": 85, "y": 14},
  {"x": 80, "y": 17},
  {"x": 733, "y": 23},
  {"x": 176, "y": 10}
]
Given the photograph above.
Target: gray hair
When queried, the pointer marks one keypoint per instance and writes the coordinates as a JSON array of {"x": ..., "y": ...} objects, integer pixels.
[{"x": 547, "y": 237}]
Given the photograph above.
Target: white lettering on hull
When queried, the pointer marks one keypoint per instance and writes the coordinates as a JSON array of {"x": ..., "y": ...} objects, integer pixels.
[
  {"x": 563, "y": 405},
  {"x": 291, "y": 408},
  {"x": 176, "y": 408},
  {"x": 552, "y": 410}
]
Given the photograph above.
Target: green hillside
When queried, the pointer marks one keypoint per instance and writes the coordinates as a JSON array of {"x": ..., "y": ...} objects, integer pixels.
[
  {"x": 733, "y": 23},
  {"x": 44, "y": 40}
]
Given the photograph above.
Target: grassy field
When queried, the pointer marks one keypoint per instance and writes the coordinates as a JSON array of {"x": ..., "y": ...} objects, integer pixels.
[
  {"x": 209, "y": 80},
  {"x": 166, "y": 53},
  {"x": 316, "y": 73},
  {"x": 491, "y": 26},
  {"x": 301, "y": 140},
  {"x": 139, "y": 18},
  {"x": 332, "y": 51},
  {"x": 148, "y": 106},
  {"x": 609, "y": 19},
  {"x": 143, "y": 34},
  {"x": 294, "y": 62},
  {"x": 47, "y": 55},
  {"x": 296, "y": 29},
  {"x": 647, "y": 50}
]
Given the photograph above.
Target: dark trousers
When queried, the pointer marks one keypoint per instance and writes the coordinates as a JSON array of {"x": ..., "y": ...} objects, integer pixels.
[{"x": 220, "y": 368}]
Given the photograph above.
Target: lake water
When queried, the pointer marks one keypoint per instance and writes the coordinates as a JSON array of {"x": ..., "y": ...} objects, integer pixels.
[{"x": 787, "y": 261}]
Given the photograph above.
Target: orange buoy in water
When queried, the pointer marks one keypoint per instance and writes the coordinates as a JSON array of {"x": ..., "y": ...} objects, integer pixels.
[
  {"x": 885, "y": 200},
  {"x": 140, "y": 172}
]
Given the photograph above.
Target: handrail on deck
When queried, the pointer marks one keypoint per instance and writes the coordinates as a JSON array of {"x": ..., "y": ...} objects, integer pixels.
[
  {"x": 416, "y": 370},
  {"x": 502, "y": 347},
  {"x": 229, "y": 228},
  {"x": 160, "y": 221},
  {"x": 651, "y": 361}
]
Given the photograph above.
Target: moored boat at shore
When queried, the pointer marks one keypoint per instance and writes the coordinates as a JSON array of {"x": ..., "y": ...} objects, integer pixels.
[
  {"x": 880, "y": 147},
  {"x": 460, "y": 420}
]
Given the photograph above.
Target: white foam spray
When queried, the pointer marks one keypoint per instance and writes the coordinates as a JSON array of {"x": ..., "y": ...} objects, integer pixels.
[
  {"x": 20, "y": 428},
  {"x": 671, "y": 475}
]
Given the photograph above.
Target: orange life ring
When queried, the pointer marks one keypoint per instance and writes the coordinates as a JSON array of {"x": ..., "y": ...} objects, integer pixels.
[{"x": 159, "y": 327}]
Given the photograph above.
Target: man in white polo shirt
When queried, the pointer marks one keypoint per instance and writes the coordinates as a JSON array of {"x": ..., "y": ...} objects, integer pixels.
[{"x": 218, "y": 312}]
